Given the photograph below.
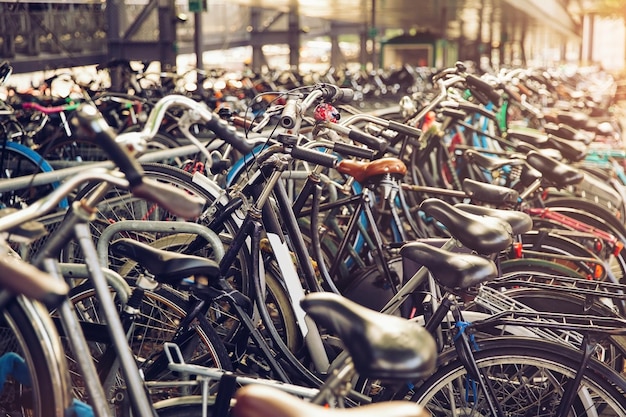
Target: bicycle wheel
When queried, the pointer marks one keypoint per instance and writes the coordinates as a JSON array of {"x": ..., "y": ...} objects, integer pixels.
[
  {"x": 592, "y": 208},
  {"x": 17, "y": 160},
  {"x": 157, "y": 321},
  {"x": 67, "y": 152},
  {"x": 119, "y": 205},
  {"x": 529, "y": 377},
  {"x": 26, "y": 332},
  {"x": 537, "y": 269}
]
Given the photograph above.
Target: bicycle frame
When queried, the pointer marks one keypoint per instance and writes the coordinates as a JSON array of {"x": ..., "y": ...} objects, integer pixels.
[{"x": 76, "y": 224}]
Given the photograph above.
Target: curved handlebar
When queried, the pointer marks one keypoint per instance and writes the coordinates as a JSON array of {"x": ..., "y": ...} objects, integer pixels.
[
  {"x": 176, "y": 200},
  {"x": 478, "y": 84},
  {"x": 372, "y": 142},
  {"x": 200, "y": 113},
  {"x": 327, "y": 92}
]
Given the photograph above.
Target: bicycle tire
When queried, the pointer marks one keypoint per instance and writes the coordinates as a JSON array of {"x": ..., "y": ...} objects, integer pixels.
[
  {"x": 17, "y": 160},
  {"x": 26, "y": 330},
  {"x": 511, "y": 363},
  {"x": 67, "y": 152},
  {"x": 590, "y": 207},
  {"x": 543, "y": 266}
]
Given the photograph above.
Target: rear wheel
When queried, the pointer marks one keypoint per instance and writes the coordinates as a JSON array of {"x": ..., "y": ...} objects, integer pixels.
[{"x": 528, "y": 376}]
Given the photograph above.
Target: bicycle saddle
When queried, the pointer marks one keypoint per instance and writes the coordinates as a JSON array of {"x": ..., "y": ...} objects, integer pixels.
[
  {"x": 382, "y": 346},
  {"x": 570, "y": 149},
  {"x": 531, "y": 136},
  {"x": 364, "y": 171},
  {"x": 166, "y": 266},
  {"x": 490, "y": 162},
  {"x": 452, "y": 270},
  {"x": 556, "y": 172},
  {"x": 575, "y": 119},
  {"x": 484, "y": 234},
  {"x": 263, "y": 401},
  {"x": 567, "y": 132},
  {"x": 520, "y": 222},
  {"x": 489, "y": 193}
]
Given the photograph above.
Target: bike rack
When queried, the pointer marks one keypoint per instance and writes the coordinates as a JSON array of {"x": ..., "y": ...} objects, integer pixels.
[{"x": 171, "y": 227}]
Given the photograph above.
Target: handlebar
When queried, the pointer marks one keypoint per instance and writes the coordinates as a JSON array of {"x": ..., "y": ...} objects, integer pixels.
[
  {"x": 314, "y": 157},
  {"x": 49, "y": 109},
  {"x": 199, "y": 113},
  {"x": 387, "y": 124},
  {"x": 477, "y": 84},
  {"x": 372, "y": 142},
  {"x": 175, "y": 200},
  {"x": 344, "y": 149},
  {"x": 481, "y": 88},
  {"x": 289, "y": 116},
  {"x": 296, "y": 106}
]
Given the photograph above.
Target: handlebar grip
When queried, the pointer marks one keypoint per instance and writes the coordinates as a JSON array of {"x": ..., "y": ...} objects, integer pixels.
[
  {"x": 288, "y": 116},
  {"x": 512, "y": 93},
  {"x": 356, "y": 151},
  {"x": 404, "y": 129},
  {"x": 484, "y": 87},
  {"x": 91, "y": 121},
  {"x": 230, "y": 135},
  {"x": 332, "y": 93},
  {"x": 20, "y": 277},
  {"x": 346, "y": 95},
  {"x": 453, "y": 113},
  {"x": 314, "y": 157},
  {"x": 368, "y": 140},
  {"x": 175, "y": 200}
]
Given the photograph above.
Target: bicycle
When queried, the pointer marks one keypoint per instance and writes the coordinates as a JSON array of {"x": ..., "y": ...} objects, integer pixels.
[{"x": 71, "y": 328}]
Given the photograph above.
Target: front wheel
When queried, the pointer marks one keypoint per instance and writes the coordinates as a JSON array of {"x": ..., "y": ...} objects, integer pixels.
[
  {"x": 38, "y": 386},
  {"x": 528, "y": 376}
]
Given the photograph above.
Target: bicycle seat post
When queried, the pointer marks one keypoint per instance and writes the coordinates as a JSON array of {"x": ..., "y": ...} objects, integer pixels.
[{"x": 337, "y": 385}]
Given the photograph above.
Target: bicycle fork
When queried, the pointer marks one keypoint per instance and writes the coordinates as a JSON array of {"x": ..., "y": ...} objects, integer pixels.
[{"x": 462, "y": 344}]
